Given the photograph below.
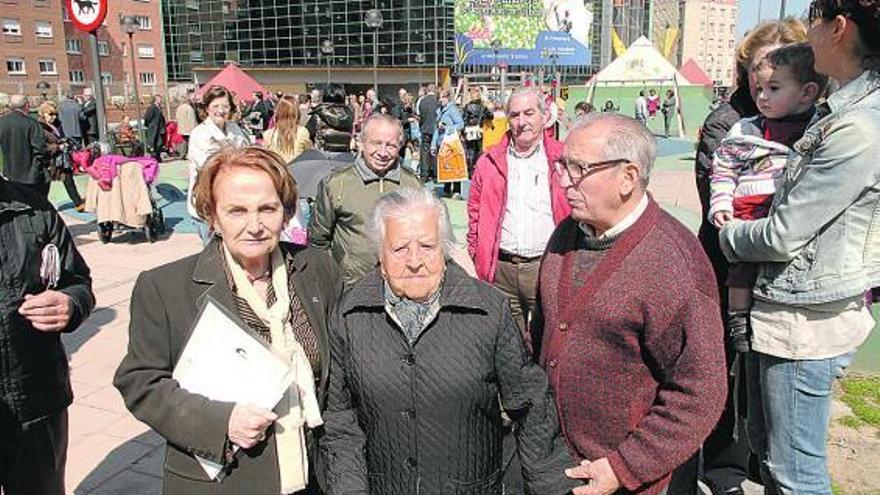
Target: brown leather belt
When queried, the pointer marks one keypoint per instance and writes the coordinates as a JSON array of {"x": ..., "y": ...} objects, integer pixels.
[{"x": 515, "y": 258}]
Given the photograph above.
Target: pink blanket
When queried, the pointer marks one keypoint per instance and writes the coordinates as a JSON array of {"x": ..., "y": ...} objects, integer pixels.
[{"x": 105, "y": 168}]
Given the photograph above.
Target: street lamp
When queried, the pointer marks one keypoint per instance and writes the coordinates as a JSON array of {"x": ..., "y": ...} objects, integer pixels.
[
  {"x": 373, "y": 20},
  {"x": 43, "y": 88},
  {"x": 129, "y": 24},
  {"x": 327, "y": 48},
  {"x": 420, "y": 60}
]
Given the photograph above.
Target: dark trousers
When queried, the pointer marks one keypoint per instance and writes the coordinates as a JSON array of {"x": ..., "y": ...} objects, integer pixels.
[
  {"x": 427, "y": 161},
  {"x": 70, "y": 187},
  {"x": 32, "y": 457},
  {"x": 725, "y": 459}
]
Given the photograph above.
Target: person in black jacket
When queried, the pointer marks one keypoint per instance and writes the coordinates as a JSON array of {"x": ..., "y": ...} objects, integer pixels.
[
  {"x": 89, "y": 117},
  {"x": 725, "y": 451},
  {"x": 426, "y": 108},
  {"x": 23, "y": 144},
  {"x": 331, "y": 123},
  {"x": 154, "y": 121},
  {"x": 424, "y": 359},
  {"x": 35, "y": 308},
  {"x": 475, "y": 113}
]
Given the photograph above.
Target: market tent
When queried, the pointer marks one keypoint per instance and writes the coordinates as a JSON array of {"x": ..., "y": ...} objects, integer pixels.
[
  {"x": 692, "y": 71},
  {"x": 643, "y": 68},
  {"x": 640, "y": 63},
  {"x": 241, "y": 85}
]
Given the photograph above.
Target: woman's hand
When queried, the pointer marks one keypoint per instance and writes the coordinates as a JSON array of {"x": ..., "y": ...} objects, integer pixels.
[
  {"x": 247, "y": 425},
  {"x": 722, "y": 217}
]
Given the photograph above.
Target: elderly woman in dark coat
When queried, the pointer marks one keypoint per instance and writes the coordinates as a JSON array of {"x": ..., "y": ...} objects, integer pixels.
[
  {"x": 282, "y": 294},
  {"x": 420, "y": 353}
]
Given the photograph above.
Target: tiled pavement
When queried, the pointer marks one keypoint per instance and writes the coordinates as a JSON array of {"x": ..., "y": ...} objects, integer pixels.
[{"x": 110, "y": 452}]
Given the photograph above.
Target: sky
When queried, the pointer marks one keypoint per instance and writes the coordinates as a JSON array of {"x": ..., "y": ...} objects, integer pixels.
[{"x": 748, "y": 12}]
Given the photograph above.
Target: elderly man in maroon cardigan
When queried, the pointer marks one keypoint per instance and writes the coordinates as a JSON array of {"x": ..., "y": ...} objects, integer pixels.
[{"x": 631, "y": 333}]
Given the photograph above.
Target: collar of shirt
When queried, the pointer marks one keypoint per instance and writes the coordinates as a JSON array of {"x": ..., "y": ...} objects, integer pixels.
[
  {"x": 849, "y": 94},
  {"x": 528, "y": 154},
  {"x": 367, "y": 174},
  {"x": 622, "y": 225}
]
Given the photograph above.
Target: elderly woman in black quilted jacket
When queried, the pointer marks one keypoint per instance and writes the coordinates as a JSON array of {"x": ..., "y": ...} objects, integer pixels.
[{"x": 420, "y": 353}]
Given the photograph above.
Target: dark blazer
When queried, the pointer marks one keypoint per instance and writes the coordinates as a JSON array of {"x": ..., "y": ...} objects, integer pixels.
[
  {"x": 23, "y": 143},
  {"x": 154, "y": 121},
  {"x": 90, "y": 117},
  {"x": 425, "y": 418},
  {"x": 34, "y": 375},
  {"x": 163, "y": 310},
  {"x": 69, "y": 112}
]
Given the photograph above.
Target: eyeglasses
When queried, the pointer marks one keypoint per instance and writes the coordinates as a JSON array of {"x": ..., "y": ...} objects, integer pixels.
[{"x": 577, "y": 170}]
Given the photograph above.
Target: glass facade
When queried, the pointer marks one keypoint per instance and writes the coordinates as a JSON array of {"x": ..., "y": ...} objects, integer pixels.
[{"x": 285, "y": 34}]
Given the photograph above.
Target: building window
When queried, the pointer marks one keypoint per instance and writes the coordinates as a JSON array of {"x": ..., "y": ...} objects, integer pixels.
[
  {"x": 148, "y": 78},
  {"x": 196, "y": 56},
  {"x": 103, "y": 49},
  {"x": 146, "y": 51},
  {"x": 47, "y": 67},
  {"x": 192, "y": 4},
  {"x": 106, "y": 79},
  {"x": 144, "y": 22},
  {"x": 11, "y": 27},
  {"x": 15, "y": 67},
  {"x": 43, "y": 29},
  {"x": 74, "y": 46},
  {"x": 77, "y": 76}
]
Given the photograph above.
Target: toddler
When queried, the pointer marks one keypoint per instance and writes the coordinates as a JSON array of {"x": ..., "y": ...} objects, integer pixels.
[{"x": 748, "y": 165}]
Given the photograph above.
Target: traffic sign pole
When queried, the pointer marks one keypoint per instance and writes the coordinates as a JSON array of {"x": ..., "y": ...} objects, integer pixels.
[{"x": 99, "y": 87}]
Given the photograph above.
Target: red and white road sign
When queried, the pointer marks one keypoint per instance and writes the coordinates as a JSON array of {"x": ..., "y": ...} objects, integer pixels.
[{"x": 86, "y": 14}]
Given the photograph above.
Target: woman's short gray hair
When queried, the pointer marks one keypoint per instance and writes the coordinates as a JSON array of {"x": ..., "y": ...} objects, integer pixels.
[
  {"x": 627, "y": 138},
  {"x": 401, "y": 203}
]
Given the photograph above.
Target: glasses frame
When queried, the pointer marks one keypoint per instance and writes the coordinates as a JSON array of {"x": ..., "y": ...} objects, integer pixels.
[{"x": 585, "y": 169}]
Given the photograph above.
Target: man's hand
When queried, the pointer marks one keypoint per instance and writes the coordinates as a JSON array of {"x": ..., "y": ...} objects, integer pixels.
[
  {"x": 600, "y": 476},
  {"x": 247, "y": 425},
  {"x": 48, "y": 311}
]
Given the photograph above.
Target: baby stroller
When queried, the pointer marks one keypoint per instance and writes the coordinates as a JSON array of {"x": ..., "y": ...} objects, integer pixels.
[{"x": 119, "y": 193}]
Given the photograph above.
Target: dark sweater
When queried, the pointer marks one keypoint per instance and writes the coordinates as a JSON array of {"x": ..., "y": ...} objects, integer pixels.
[{"x": 636, "y": 359}]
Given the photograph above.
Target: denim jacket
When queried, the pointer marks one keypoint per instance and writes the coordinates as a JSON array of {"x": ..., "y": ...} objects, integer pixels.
[{"x": 821, "y": 242}]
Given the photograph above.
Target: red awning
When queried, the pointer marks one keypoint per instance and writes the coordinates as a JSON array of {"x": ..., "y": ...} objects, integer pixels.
[
  {"x": 694, "y": 74},
  {"x": 241, "y": 85}
]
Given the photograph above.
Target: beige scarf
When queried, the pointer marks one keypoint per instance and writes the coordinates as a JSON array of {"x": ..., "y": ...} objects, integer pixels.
[{"x": 299, "y": 406}]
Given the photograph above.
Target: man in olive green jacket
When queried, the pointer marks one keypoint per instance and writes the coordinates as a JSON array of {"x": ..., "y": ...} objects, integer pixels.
[{"x": 344, "y": 203}]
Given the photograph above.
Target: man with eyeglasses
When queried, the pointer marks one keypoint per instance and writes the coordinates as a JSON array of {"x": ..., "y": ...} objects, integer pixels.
[
  {"x": 515, "y": 203},
  {"x": 628, "y": 322},
  {"x": 344, "y": 200}
]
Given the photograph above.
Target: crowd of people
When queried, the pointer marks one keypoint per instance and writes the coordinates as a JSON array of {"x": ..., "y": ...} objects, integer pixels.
[{"x": 587, "y": 343}]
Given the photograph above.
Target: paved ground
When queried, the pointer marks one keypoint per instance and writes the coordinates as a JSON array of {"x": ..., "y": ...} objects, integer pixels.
[{"x": 110, "y": 452}]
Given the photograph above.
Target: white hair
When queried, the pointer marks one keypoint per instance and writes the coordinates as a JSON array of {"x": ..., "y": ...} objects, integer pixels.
[
  {"x": 401, "y": 203},
  {"x": 627, "y": 139},
  {"x": 17, "y": 102},
  {"x": 526, "y": 92},
  {"x": 377, "y": 117}
]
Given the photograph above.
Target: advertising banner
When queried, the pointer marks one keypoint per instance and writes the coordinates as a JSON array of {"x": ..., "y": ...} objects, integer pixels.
[{"x": 523, "y": 32}]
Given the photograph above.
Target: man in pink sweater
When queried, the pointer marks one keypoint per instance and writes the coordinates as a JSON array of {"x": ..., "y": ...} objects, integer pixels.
[{"x": 631, "y": 330}]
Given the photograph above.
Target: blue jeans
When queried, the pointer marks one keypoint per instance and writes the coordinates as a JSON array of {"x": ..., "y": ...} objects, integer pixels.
[{"x": 789, "y": 411}]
